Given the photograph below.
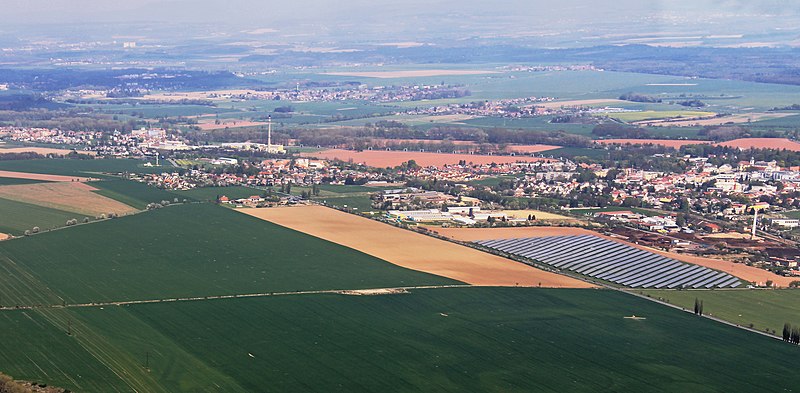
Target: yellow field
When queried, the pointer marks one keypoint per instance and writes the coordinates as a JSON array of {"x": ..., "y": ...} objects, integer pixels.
[
  {"x": 540, "y": 215},
  {"x": 70, "y": 196},
  {"x": 412, "y": 250}
]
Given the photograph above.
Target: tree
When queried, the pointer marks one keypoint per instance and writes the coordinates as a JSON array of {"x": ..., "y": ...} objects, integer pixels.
[
  {"x": 701, "y": 307},
  {"x": 794, "y": 284},
  {"x": 696, "y": 306},
  {"x": 787, "y": 331},
  {"x": 769, "y": 283}
]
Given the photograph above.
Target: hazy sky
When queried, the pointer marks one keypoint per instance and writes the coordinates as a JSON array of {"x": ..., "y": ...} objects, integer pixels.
[{"x": 407, "y": 18}]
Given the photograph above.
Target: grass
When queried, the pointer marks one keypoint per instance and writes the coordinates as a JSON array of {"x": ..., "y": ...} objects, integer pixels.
[
  {"x": 16, "y": 217},
  {"x": 458, "y": 339},
  {"x": 190, "y": 250},
  {"x": 765, "y": 309},
  {"x": 132, "y": 193}
]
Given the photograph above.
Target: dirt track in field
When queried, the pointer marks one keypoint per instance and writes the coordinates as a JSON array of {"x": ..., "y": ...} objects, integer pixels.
[
  {"x": 39, "y": 176},
  {"x": 412, "y": 250},
  {"x": 70, "y": 196},
  {"x": 740, "y": 270},
  {"x": 383, "y": 159}
]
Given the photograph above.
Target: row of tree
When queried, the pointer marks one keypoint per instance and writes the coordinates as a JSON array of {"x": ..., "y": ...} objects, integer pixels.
[{"x": 791, "y": 334}]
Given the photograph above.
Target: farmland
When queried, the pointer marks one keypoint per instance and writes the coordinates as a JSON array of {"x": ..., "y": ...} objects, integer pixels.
[
  {"x": 411, "y": 250},
  {"x": 17, "y": 217},
  {"x": 765, "y": 309},
  {"x": 383, "y": 159},
  {"x": 192, "y": 250},
  {"x": 84, "y": 168},
  {"x": 491, "y": 339},
  {"x": 72, "y": 196},
  {"x": 763, "y": 143}
]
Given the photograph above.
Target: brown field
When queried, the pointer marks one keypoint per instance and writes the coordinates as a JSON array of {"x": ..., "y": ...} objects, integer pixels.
[
  {"x": 209, "y": 124},
  {"x": 740, "y": 270},
  {"x": 382, "y": 159},
  {"x": 412, "y": 250},
  {"x": 715, "y": 121},
  {"x": 527, "y": 149},
  {"x": 73, "y": 196},
  {"x": 595, "y": 102},
  {"x": 39, "y": 176},
  {"x": 763, "y": 143},
  {"x": 409, "y": 73},
  {"x": 43, "y": 151},
  {"x": 658, "y": 142}
]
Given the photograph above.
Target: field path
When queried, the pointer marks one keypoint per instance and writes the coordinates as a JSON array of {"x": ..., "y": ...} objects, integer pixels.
[{"x": 351, "y": 292}]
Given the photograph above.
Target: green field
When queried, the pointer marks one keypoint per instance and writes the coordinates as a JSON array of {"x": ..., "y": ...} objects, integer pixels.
[
  {"x": 132, "y": 193},
  {"x": 792, "y": 214},
  {"x": 7, "y": 181},
  {"x": 188, "y": 250},
  {"x": 210, "y": 194},
  {"x": 765, "y": 309},
  {"x": 70, "y": 167},
  {"x": 360, "y": 203},
  {"x": 465, "y": 339},
  {"x": 16, "y": 217},
  {"x": 655, "y": 115}
]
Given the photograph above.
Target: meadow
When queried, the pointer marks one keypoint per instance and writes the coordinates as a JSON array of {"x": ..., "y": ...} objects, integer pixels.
[
  {"x": 456, "y": 339},
  {"x": 132, "y": 193}
]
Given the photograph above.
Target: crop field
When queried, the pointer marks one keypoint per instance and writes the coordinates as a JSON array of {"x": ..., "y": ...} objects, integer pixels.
[
  {"x": 382, "y": 159},
  {"x": 210, "y": 194},
  {"x": 191, "y": 250},
  {"x": 411, "y": 250},
  {"x": 488, "y": 339},
  {"x": 792, "y": 214},
  {"x": 763, "y": 143},
  {"x": 765, "y": 309},
  {"x": 656, "y": 115},
  {"x": 73, "y": 196},
  {"x": 132, "y": 193},
  {"x": 84, "y": 168},
  {"x": 17, "y": 217},
  {"x": 7, "y": 181}
]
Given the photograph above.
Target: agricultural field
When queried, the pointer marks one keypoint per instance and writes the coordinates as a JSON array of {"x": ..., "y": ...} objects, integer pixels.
[
  {"x": 70, "y": 196},
  {"x": 763, "y": 143},
  {"x": 764, "y": 309},
  {"x": 411, "y": 250},
  {"x": 190, "y": 250},
  {"x": 792, "y": 214},
  {"x": 383, "y": 159},
  {"x": 489, "y": 339},
  {"x": 17, "y": 217},
  {"x": 210, "y": 194},
  {"x": 632, "y": 117},
  {"x": 132, "y": 193},
  {"x": 82, "y": 168}
]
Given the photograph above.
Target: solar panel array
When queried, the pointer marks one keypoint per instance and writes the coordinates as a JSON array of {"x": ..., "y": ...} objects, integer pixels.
[{"x": 611, "y": 261}]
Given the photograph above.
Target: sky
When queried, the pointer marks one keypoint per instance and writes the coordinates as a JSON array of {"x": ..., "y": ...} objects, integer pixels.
[{"x": 409, "y": 19}]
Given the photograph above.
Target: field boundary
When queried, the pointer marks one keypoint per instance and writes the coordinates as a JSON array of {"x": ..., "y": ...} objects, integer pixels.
[{"x": 363, "y": 291}]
